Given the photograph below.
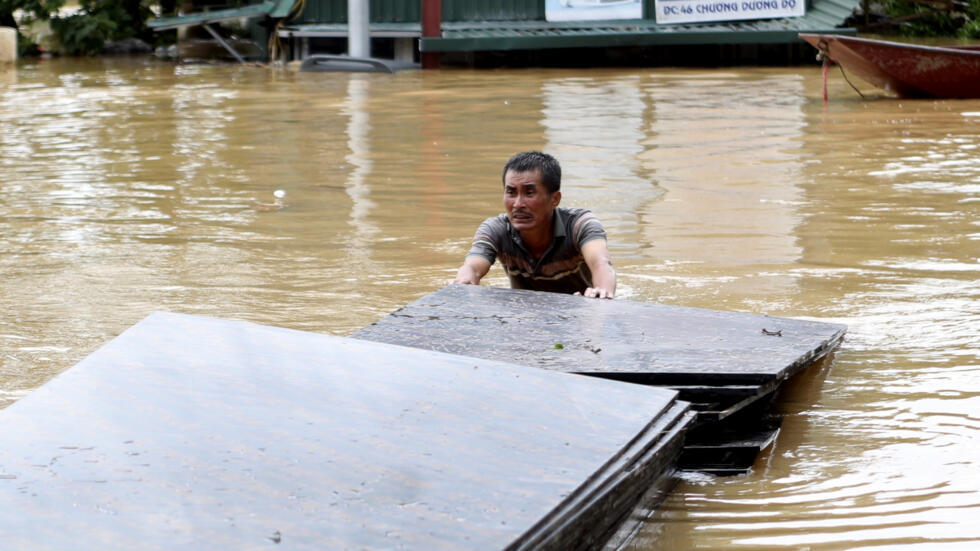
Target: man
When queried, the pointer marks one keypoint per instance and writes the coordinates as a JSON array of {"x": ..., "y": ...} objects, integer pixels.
[{"x": 541, "y": 246}]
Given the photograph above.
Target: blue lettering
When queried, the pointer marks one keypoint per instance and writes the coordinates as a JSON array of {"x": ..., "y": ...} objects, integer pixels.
[
  {"x": 719, "y": 7},
  {"x": 759, "y": 5}
]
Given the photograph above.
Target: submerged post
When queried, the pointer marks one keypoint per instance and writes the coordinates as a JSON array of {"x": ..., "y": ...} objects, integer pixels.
[
  {"x": 431, "y": 28},
  {"x": 358, "y": 28},
  {"x": 8, "y": 45}
]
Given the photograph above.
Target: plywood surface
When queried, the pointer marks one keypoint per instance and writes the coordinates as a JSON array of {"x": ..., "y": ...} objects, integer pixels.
[{"x": 189, "y": 432}]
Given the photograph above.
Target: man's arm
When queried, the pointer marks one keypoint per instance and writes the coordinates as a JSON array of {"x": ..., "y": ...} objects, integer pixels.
[
  {"x": 472, "y": 270},
  {"x": 596, "y": 255}
]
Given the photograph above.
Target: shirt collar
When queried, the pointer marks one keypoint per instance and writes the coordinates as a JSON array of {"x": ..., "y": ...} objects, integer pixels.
[
  {"x": 559, "y": 225},
  {"x": 558, "y": 228}
]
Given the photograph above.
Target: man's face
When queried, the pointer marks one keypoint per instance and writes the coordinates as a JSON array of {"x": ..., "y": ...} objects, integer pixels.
[{"x": 528, "y": 204}]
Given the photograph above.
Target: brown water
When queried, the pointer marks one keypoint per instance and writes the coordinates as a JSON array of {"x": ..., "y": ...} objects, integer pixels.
[{"x": 129, "y": 187}]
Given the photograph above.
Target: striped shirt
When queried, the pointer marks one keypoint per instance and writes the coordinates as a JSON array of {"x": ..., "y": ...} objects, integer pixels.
[{"x": 561, "y": 269}]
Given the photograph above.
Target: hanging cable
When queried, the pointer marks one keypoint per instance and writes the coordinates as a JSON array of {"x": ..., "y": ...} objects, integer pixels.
[
  {"x": 275, "y": 45},
  {"x": 849, "y": 81}
]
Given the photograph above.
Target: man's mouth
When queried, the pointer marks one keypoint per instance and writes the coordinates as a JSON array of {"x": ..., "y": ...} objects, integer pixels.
[{"x": 521, "y": 215}]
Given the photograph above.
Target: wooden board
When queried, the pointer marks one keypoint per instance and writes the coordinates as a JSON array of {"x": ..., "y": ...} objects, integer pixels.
[
  {"x": 631, "y": 341},
  {"x": 189, "y": 432}
]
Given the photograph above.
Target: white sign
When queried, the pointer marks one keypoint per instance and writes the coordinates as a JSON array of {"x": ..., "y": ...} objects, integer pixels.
[
  {"x": 693, "y": 11},
  {"x": 592, "y": 10}
]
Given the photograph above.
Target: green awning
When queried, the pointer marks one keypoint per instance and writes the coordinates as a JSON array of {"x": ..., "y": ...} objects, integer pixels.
[{"x": 275, "y": 9}]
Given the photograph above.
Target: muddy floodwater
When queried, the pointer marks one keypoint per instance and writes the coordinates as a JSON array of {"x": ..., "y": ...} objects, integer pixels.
[{"x": 129, "y": 186}]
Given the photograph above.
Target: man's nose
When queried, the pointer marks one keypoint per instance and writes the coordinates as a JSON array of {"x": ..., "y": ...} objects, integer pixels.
[{"x": 518, "y": 201}]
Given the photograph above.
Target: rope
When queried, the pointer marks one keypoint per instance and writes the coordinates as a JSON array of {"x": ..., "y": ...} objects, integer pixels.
[
  {"x": 849, "y": 82},
  {"x": 826, "y": 63},
  {"x": 823, "y": 57},
  {"x": 823, "y": 54}
]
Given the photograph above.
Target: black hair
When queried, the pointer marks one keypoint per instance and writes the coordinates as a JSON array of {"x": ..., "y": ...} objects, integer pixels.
[{"x": 536, "y": 161}]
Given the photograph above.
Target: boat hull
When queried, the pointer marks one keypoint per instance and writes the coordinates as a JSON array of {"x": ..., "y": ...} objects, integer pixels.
[{"x": 906, "y": 70}]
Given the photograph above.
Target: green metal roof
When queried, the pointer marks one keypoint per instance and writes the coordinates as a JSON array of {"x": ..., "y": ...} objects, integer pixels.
[
  {"x": 376, "y": 29},
  {"x": 272, "y": 8}
]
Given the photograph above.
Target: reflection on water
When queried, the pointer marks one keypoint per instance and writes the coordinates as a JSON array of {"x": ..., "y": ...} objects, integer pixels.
[
  {"x": 128, "y": 187},
  {"x": 600, "y": 161},
  {"x": 363, "y": 231}
]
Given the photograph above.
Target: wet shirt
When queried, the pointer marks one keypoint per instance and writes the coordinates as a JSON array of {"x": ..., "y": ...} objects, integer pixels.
[{"x": 561, "y": 269}]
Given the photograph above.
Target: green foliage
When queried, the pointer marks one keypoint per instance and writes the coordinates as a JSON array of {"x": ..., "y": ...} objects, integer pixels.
[
  {"x": 921, "y": 20},
  {"x": 26, "y": 47},
  {"x": 85, "y": 32},
  {"x": 971, "y": 29},
  {"x": 82, "y": 34},
  {"x": 924, "y": 19},
  {"x": 33, "y": 9}
]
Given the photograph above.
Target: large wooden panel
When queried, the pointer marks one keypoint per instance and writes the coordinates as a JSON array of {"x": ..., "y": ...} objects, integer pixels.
[
  {"x": 188, "y": 432},
  {"x": 631, "y": 341}
]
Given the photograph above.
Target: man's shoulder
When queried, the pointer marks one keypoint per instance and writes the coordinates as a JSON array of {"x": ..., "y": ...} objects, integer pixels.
[
  {"x": 572, "y": 212},
  {"x": 497, "y": 222},
  {"x": 582, "y": 225},
  {"x": 572, "y": 216},
  {"x": 494, "y": 227}
]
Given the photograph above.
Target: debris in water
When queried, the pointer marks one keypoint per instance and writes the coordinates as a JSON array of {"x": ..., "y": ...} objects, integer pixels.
[{"x": 276, "y": 204}]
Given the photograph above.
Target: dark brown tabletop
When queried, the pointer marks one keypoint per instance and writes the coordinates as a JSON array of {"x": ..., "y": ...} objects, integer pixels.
[
  {"x": 189, "y": 432},
  {"x": 632, "y": 341}
]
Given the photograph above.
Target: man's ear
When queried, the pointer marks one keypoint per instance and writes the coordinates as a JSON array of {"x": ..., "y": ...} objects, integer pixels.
[{"x": 555, "y": 198}]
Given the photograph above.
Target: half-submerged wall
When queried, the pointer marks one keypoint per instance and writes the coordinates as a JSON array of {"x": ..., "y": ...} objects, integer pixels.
[
  {"x": 465, "y": 26},
  {"x": 507, "y": 25}
]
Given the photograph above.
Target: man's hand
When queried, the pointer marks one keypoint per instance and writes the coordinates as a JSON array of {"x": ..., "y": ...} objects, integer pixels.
[
  {"x": 592, "y": 292},
  {"x": 472, "y": 270},
  {"x": 596, "y": 255}
]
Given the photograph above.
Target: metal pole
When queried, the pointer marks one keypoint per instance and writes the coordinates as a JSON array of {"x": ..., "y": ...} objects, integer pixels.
[
  {"x": 221, "y": 41},
  {"x": 431, "y": 28},
  {"x": 358, "y": 30}
]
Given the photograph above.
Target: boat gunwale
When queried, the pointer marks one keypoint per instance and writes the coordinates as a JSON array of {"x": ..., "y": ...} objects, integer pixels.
[{"x": 972, "y": 50}]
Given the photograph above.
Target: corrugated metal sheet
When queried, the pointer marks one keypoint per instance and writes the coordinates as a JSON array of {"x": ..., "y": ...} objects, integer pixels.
[
  {"x": 401, "y": 11},
  {"x": 382, "y": 11},
  {"x": 251, "y": 10},
  {"x": 492, "y": 10},
  {"x": 518, "y": 35}
]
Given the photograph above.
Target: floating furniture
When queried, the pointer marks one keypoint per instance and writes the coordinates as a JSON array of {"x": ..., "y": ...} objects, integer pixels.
[
  {"x": 322, "y": 63},
  {"x": 344, "y": 64},
  {"x": 189, "y": 432},
  {"x": 728, "y": 365}
]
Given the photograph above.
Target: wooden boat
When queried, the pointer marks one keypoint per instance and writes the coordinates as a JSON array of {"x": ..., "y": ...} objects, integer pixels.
[{"x": 907, "y": 70}]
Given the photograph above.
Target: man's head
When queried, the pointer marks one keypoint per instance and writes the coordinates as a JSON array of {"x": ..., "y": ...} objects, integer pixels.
[
  {"x": 532, "y": 182},
  {"x": 536, "y": 161}
]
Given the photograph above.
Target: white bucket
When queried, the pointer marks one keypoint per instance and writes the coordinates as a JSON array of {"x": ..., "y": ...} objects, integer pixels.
[{"x": 8, "y": 45}]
